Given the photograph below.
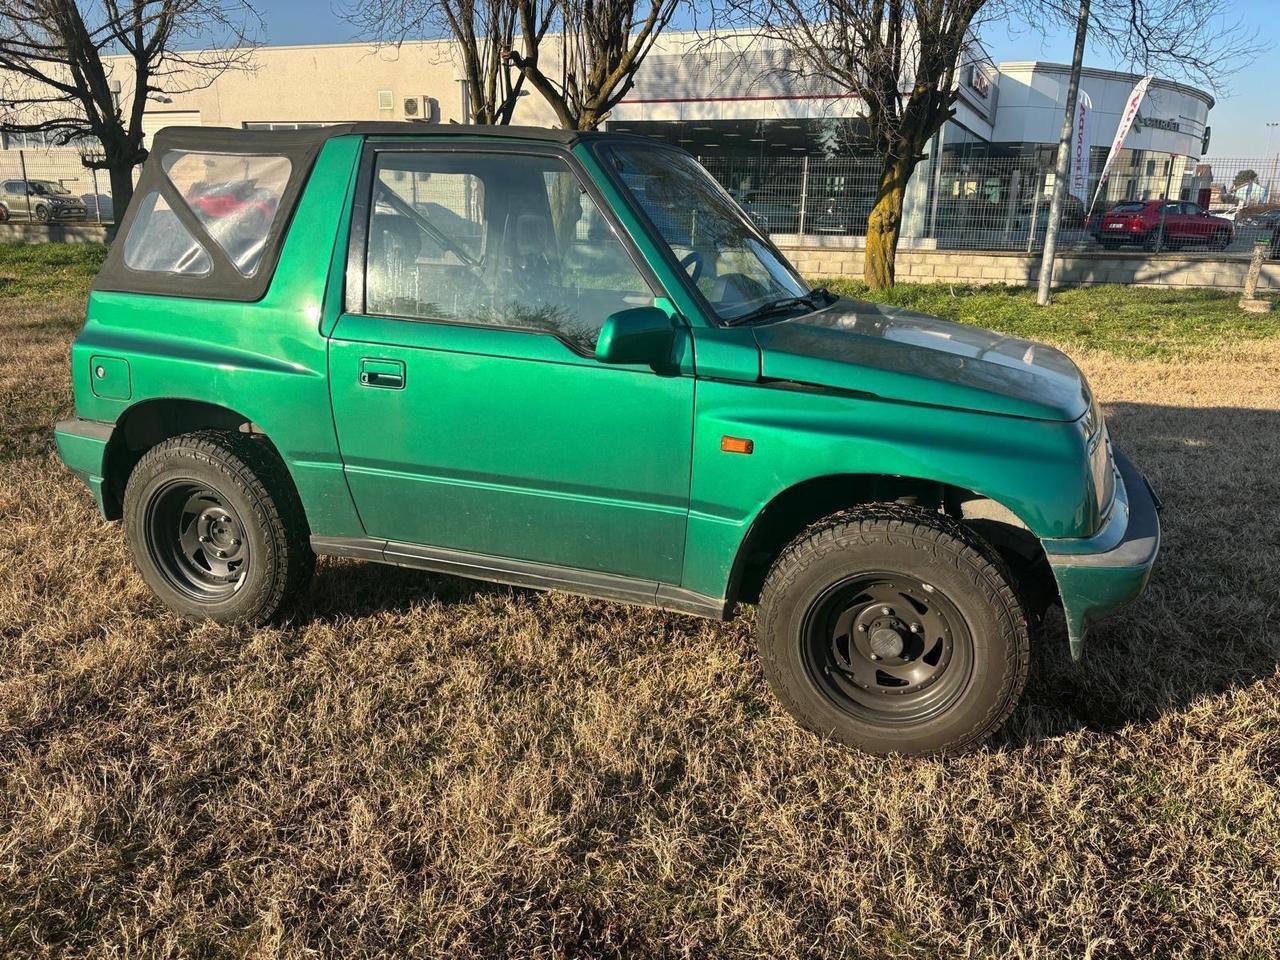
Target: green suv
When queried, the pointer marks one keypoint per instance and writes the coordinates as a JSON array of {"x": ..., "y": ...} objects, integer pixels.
[{"x": 570, "y": 361}]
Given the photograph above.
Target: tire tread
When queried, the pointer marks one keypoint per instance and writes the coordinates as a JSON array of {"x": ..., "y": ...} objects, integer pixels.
[{"x": 944, "y": 539}]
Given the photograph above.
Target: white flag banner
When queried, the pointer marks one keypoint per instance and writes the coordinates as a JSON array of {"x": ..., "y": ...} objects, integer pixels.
[
  {"x": 1122, "y": 131},
  {"x": 1080, "y": 147}
]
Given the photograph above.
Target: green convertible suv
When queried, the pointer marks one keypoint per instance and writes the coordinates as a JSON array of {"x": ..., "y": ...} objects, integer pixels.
[{"x": 570, "y": 361}]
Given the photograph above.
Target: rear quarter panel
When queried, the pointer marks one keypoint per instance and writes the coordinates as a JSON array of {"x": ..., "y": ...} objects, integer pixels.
[{"x": 263, "y": 360}]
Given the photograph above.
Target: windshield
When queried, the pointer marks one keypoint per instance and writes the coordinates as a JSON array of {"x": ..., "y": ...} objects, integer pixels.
[
  {"x": 719, "y": 247},
  {"x": 47, "y": 187}
]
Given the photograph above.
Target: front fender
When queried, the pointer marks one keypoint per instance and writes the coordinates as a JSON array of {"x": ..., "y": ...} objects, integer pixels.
[{"x": 1036, "y": 469}]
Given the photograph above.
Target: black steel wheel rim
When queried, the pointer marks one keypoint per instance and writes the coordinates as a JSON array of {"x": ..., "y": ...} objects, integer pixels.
[
  {"x": 887, "y": 648},
  {"x": 197, "y": 540}
]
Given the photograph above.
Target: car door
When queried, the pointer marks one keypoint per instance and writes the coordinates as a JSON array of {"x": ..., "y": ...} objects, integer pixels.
[
  {"x": 1199, "y": 225},
  {"x": 1169, "y": 218},
  {"x": 471, "y": 412}
]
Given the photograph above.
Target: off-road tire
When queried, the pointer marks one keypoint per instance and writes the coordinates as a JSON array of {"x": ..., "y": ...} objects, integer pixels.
[
  {"x": 255, "y": 483},
  {"x": 916, "y": 543}
]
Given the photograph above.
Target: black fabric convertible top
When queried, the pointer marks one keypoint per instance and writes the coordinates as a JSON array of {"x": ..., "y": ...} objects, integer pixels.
[{"x": 300, "y": 147}]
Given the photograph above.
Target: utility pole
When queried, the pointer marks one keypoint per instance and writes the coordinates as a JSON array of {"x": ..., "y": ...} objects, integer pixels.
[{"x": 1063, "y": 165}]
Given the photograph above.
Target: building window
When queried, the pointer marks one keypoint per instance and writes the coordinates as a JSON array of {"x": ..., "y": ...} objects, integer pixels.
[
  {"x": 291, "y": 124},
  {"x": 385, "y": 100},
  {"x": 36, "y": 140}
]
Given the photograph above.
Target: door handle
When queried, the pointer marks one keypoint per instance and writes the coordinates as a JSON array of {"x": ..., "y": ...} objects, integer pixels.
[{"x": 382, "y": 373}]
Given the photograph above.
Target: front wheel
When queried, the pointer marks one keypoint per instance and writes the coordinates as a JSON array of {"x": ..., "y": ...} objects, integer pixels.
[
  {"x": 1221, "y": 240},
  {"x": 895, "y": 630},
  {"x": 42, "y": 213},
  {"x": 216, "y": 528}
]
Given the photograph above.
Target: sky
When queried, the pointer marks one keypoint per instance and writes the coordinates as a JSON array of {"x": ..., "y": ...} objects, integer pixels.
[{"x": 1245, "y": 104}]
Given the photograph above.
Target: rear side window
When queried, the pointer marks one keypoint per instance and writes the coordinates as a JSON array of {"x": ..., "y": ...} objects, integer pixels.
[
  {"x": 234, "y": 196},
  {"x": 160, "y": 243},
  {"x": 211, "y": 213},
  {"x": 1128, "y": 208}
]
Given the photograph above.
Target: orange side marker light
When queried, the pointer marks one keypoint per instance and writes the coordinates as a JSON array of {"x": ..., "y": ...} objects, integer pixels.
[{"x": 736, "y": 445}]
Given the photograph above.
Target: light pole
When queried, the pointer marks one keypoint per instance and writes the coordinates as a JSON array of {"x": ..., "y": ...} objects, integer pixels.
[
  {"x": 1063, "y": 164},
  {"x": 1272, "y": 173}
]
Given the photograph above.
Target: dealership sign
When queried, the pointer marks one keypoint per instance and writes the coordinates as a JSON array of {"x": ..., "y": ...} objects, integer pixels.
[
  {"x": 1154, "y": 123},
  {"x": 1080, "y": 146},
  {"x": 1126, "y": 122}
]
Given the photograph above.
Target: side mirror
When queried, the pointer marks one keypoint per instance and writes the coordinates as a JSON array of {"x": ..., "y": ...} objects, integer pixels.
[{"x": 638, "y": 335}]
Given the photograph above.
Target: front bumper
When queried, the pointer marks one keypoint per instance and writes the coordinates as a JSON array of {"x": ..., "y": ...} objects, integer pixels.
[
  {"x": 1098, "y": 575},
  {"x": 82, "y": 446}
]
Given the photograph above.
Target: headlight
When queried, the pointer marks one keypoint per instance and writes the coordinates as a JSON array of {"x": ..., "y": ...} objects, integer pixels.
[{"x": 1101, "y": 466}]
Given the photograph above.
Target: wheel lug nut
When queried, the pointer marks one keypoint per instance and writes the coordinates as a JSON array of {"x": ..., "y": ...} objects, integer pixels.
[
  {"x": 915, "y": 628},
  {"x": 204, "y": 539},
  {"x": 862, "y": 628},
  {"x": 886, "y": 611},
  {"x": 875, "y": 656}
]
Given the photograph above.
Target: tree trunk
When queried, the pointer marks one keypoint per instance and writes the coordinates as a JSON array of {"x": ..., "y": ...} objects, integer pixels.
[
  {"x": 121, "y": 174},
  {"x": 885, "y": 223}
]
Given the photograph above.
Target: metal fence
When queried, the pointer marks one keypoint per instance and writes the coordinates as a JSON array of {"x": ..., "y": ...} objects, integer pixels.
[
  {"x": 955, "y": 202},
  {"x": 986, "y": 203}
]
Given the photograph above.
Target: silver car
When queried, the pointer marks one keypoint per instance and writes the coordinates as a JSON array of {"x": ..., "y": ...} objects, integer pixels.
[{"x": 44, "y": 201}]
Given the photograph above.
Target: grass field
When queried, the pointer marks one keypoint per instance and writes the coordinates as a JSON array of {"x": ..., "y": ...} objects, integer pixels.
[{"x": 420, "y": 766}]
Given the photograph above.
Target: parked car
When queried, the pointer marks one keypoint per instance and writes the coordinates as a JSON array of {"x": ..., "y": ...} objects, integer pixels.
[
  {"x": 41, "y": 200},
  {"x": 671, "y": 416},
  {"x": 1259, "y": 218},
  {"x": 1163, "y": 225}
]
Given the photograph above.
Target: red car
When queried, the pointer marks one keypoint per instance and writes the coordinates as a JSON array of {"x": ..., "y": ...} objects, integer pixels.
[{"x": 1161, "y": 224}]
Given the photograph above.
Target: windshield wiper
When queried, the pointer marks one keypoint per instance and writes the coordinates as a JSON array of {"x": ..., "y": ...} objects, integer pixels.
[{"x": 815, "y": 299}]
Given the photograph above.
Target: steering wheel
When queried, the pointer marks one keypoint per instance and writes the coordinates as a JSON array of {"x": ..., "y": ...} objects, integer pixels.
[{"x": 692, "y": 259}]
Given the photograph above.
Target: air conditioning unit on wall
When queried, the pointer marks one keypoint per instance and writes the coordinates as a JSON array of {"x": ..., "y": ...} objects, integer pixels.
[{"x": 425, "y": 109}]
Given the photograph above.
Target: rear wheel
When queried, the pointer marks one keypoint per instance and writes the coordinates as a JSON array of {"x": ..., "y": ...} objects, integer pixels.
[
  {"x": 895, "y": 630},
  {"x": 216, "y": 528},
  {"x": 1157, "y": 240}
]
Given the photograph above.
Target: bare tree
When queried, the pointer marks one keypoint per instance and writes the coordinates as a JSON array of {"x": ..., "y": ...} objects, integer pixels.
[
  {"x": 901, "y": 60},
  {"x": 62, "y": 63},
  {"x": 482, "y": 30},
  {"x": 602, "y": 45}
]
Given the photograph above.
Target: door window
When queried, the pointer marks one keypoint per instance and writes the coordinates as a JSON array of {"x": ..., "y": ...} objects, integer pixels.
[{"x": 504, "y": 240}]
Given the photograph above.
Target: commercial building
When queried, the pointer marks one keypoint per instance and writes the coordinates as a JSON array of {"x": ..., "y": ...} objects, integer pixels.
[{"x": 749, "y": 113}]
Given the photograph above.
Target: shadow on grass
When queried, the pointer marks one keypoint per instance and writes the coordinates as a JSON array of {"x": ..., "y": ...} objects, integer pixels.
[{"x": 1210, "y": 619}]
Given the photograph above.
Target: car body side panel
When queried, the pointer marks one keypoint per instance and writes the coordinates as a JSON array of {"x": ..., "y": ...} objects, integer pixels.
[
  {"x": 263, "y": 360},
  {"x": 1038, "y": 470}
]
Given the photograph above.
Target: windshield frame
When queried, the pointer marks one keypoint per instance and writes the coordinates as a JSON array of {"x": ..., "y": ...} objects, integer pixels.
[{"x": 600, "y": 153}]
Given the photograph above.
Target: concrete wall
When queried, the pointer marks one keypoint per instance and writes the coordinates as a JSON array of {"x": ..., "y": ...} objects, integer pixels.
[
  {"x": 57, "y": 232},
  {"x": 1018, "y": 269},
  {"x": 913, "y": 266}
]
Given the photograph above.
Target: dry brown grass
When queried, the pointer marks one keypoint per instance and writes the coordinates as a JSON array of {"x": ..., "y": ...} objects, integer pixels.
[{"x": 426, "y": 766}]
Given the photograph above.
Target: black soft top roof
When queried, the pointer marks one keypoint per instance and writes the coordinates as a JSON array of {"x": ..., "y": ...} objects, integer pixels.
[
  {"x": 230, "y": 137},
  {"x": 301, "y": 147}
]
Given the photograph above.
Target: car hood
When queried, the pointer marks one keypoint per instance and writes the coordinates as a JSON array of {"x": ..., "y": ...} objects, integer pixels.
[{"x": 900, "y": 355}]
